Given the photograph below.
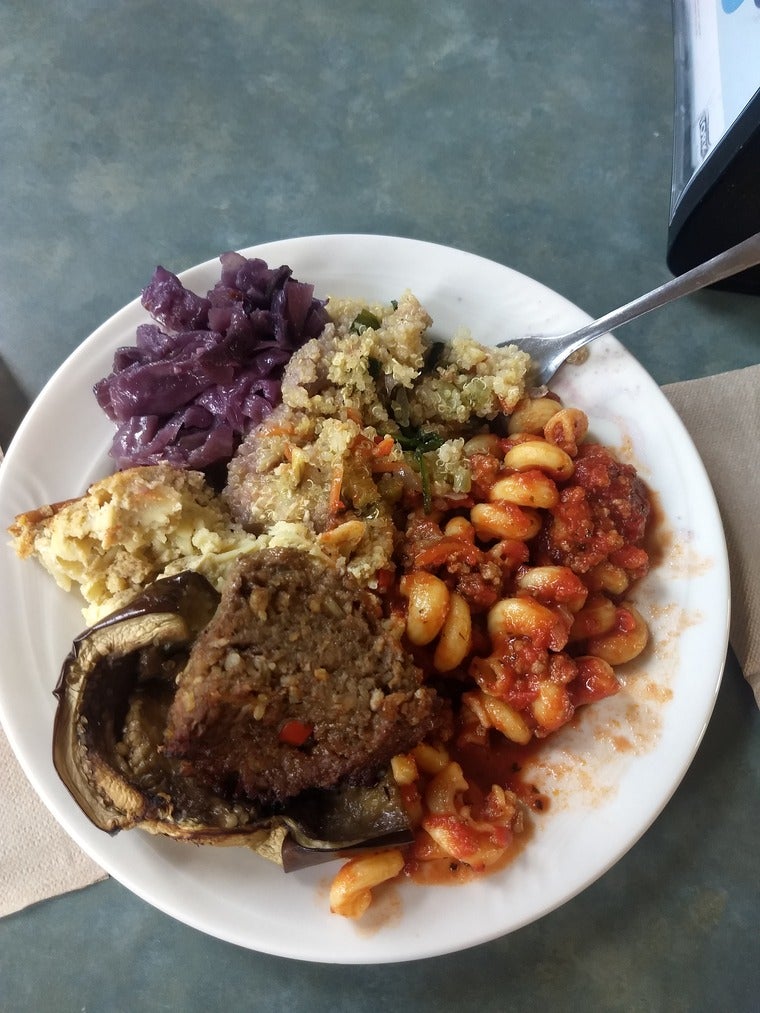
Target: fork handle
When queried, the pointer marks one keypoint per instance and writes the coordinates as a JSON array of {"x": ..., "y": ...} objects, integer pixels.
[{"x": 732, "y": 261}]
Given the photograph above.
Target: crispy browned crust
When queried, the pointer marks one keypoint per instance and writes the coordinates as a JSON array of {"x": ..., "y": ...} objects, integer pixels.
[{"x": 26, "y": 527}]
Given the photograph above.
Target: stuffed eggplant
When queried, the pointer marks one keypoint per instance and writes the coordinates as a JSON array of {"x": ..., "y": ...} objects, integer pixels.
[{"x": 117, "y": 749}]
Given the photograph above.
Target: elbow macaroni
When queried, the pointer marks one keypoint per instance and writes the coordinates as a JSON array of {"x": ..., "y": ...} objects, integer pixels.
[
  {"x": 351, "y": 890},
  {"x": 529, "y": 636}
]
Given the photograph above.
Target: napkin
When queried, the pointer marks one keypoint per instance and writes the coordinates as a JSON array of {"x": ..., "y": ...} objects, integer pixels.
[
  {"x": 722, "y": 414},
  {"x": 38, "y": 859}
]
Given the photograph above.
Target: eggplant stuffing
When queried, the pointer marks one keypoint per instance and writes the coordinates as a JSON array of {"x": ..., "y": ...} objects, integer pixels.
[{"x": 117, "y": 748}]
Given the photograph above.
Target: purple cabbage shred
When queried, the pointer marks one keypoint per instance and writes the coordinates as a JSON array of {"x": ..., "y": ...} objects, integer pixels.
[{"x": 210, "y": 367}]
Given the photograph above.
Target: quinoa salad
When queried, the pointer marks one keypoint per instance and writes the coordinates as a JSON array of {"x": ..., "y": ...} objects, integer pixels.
[{"x": 372, "y": 410}]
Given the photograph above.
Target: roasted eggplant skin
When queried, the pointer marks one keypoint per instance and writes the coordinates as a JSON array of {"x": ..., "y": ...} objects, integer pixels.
[
  {"x": 97, "y": 680},
  {"x": 134, "y": 655}
]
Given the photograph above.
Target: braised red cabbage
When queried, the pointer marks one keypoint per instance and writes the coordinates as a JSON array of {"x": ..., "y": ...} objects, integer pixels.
[{"x": 210, "y": 367}]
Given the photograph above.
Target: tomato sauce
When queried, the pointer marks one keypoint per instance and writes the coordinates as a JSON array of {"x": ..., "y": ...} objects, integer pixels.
[
  {"x": 503, "y": 762},
  {"x": 500, "y": 762}
]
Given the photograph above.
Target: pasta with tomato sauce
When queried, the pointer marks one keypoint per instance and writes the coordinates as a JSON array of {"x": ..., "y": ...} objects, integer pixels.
[
  {"x": 518, "y": 599},
  {"x": 504, "y": 543}
]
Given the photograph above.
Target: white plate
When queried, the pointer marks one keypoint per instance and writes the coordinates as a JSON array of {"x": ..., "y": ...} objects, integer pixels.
[{"x": 608, "y": 778}]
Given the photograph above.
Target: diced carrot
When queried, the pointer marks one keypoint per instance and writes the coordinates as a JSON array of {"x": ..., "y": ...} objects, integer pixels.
[
  {"x": 384, "y": 447},
  {"x": 295, "y": 733},
  {"x": 335, "y": 504}
]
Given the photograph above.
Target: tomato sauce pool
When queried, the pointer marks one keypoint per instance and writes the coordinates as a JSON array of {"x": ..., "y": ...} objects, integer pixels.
[{"x": 501, "y": 762}]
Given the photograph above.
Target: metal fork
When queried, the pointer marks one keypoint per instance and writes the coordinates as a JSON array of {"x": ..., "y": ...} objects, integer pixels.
[{"x": 549, "y": 351}]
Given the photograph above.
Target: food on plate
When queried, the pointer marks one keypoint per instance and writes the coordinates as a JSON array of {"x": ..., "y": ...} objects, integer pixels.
[
  {"x": 128, "y": 529},
  {"x": 379, "y": 362},
  {"x": 294, "y": 684},
  {"x": 415, "y": 562},
  {"x": 114, "y": 691},
  {"x": 293, "y": 470},
  {"x": 209, "y": 366},
  {"x": 373, "y": 412}
]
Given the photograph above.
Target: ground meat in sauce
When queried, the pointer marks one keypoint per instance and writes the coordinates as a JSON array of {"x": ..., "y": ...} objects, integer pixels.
[
  {"x": 465, "y": 567},
  {"x": 296, "y": 683},
  {"x": 603, "y": 507},
  {"x": 518, "y": 671}
]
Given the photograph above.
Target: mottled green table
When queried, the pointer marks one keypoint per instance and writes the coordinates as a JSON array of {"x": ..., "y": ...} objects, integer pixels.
[{"x": 538, "y": 135}]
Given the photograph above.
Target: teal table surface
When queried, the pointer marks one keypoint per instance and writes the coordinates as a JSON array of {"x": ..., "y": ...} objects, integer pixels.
[{"x": 538, "y": 135}]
